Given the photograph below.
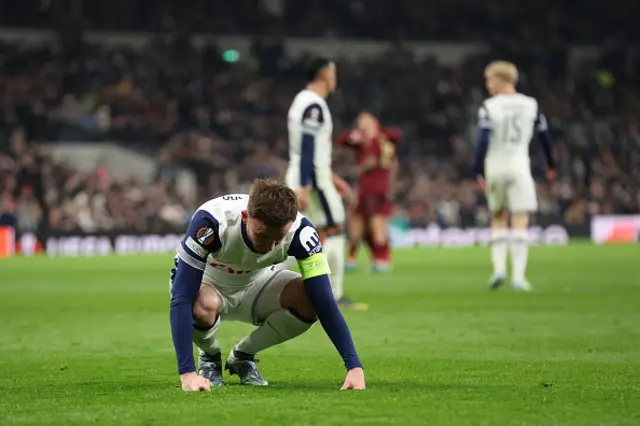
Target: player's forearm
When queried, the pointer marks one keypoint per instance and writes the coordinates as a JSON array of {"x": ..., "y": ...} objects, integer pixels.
[
  {"x": 545, "y": 139},
  {"x": 482, "y": 145},
  {"x": 321, "y": 297},
  {"x": 181, "y": 330},
  {"x": 307, "y": 152},
  {"x": 186, "y": 285},
  {"x": 367, "y": 166}
]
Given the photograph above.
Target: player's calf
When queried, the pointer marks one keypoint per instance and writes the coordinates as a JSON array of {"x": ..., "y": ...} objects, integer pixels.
[
  {"x": 352, "y": 257},
  {"x": 499, "y": 244},
  {"x": 206, "y": 322},
  {"x": 520, "y": 250},
  {"x": 380, "y": 243},
  {"x": 295, "y": 316},
  {"x": 356, "y": 232}
]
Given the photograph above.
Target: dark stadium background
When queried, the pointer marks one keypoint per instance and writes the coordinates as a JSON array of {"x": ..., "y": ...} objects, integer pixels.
[
  {"x": 163, "y": 78},
  {"x": 119, "y": 117}
]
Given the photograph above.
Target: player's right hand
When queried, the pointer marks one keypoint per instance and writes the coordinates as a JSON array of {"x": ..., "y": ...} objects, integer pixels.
[
  {"x": 551, "y": 174},
  {"x": 191, "y": 382},
  {"x": 355, "y": 136},
  {"x": 303, "y": 199},
  {"x": 354, "y": 380}
]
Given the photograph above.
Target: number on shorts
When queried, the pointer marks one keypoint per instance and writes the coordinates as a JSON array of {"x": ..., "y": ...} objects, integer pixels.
[{"x": 511, "y": 129}]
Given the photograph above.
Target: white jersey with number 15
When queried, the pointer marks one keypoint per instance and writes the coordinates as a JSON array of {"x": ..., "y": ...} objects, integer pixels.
[{"x": 511, "y": 120}]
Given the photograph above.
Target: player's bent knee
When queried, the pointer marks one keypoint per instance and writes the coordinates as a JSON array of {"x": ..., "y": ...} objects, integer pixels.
[
  {"x": 207, "y": 306},
  {"x": 294, "y": 297}
]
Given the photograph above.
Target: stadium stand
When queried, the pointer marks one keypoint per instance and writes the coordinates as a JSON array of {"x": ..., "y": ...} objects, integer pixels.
[{"x": 227, "y": 121}]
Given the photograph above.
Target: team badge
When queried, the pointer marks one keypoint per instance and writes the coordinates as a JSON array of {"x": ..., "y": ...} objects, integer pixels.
[{"x": 206, "y": 236}]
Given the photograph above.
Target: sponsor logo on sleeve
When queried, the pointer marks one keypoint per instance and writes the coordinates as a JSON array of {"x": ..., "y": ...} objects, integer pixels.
[
  {"x": 310, "y": 240},
  {"x": 312, "y": 118},
  {"x": 206, "y": 236},
  {"x": 195, "y": 247}
]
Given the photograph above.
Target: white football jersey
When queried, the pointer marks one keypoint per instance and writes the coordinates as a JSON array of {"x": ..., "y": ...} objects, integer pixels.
[
  {"x": 309, "y": 115},
  {"x": 217, "y": 243},
  {"x": 512, "y": 120}
]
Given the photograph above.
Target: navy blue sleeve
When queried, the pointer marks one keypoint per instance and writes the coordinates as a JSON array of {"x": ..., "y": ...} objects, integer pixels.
[
  {"x": 545, "y": 138},
  {"x": 482, "y": 145},
  {"x": 184, "y": 291},
  {"x": 200, "y": 240},
  {"x": 306, "y": 243},
  {"x": 312, "y": 121}
]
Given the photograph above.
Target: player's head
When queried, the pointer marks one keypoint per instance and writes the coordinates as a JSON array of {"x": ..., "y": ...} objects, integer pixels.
[
  {"x": 501, "y": 77},
  {"x": 323, "y": 71},
  {"x": 272, "y": 208},
  {"x": 367, "y": 123}
]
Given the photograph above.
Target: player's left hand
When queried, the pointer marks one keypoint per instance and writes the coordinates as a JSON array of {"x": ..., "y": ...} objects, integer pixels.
[
  {"x": 551, "y": 174},
  {"x": 354, "y": 380},
  {"x": 481, "y": 183}
]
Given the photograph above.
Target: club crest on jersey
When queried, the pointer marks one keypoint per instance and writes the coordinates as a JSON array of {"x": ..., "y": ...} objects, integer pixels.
[
  {"x": 206, "y": 236},
  {"x": 310, "y": 240}
]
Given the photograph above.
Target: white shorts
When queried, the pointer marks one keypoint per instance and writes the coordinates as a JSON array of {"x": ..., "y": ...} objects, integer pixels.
[
  {"x": 325, "y": 209},
  {"x": 255, "y": 302},
  {"x": 512, "y": 190}
]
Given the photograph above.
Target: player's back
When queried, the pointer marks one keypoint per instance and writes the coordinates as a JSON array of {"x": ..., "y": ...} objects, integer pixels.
[
  {"x": 512, "y": 119},
  {"x": 309, "y": 115}
]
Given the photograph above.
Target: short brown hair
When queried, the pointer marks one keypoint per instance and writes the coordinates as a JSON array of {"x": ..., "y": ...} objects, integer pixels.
[
  {"x": 505, "y": 71},
  {"x": 272, "y": 202}
]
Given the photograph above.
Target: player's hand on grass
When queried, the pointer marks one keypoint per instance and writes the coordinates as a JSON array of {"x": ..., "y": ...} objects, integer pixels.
[
  {"x": 303, "y": 199},
  {"x": 191, "y": 382},
  {"x": 481, "y": 183},
  {"x": 551, "y": 174},
  {"x": 354, "y": 380}
]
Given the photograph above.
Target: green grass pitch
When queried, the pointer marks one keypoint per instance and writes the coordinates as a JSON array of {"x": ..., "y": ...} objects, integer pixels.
[{"x": 86, "y": 341}]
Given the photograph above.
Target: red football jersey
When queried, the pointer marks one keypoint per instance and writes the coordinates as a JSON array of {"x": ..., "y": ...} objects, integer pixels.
[{"x": 383, "y": 148}]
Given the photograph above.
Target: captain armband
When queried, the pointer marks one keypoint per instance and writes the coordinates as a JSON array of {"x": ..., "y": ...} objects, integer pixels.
[{"x": 313, "y": 266}]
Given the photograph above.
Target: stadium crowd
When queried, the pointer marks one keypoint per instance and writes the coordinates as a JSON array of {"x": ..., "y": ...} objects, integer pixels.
[
  {"x": 227, "y": 122},
  {"x": 486, "y": 20}
]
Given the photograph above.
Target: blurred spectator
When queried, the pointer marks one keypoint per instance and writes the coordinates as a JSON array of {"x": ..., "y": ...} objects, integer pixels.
[{"x": 227, "y": 122}]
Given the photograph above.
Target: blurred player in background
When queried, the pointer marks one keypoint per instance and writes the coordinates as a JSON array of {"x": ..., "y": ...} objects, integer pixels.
[
  {"x": 320, "y": 191},
  {"x": 375, "y": 148},
  {"x": 225, "y": 271},
  {"x": 507, "y": 121}
]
